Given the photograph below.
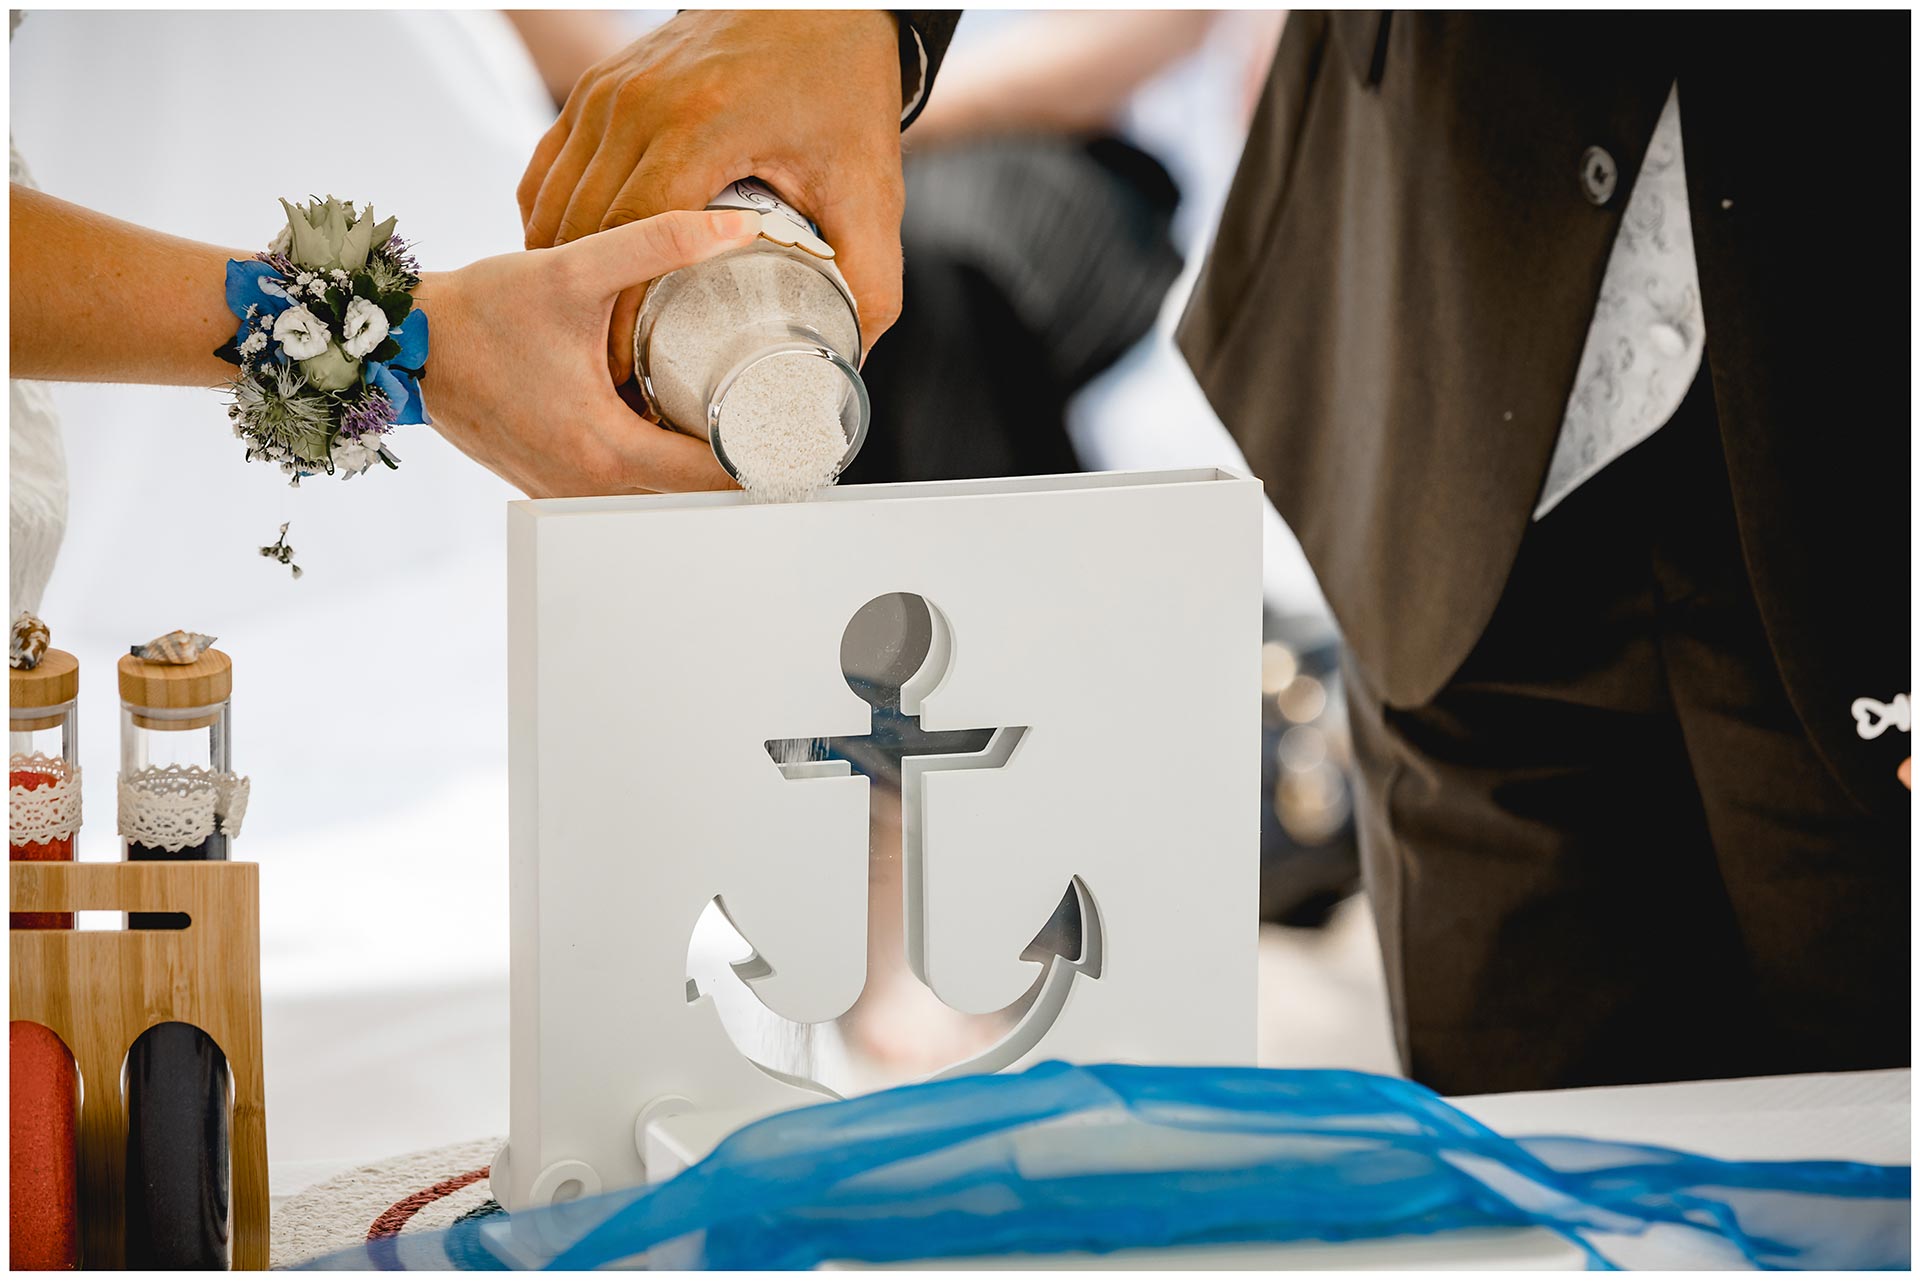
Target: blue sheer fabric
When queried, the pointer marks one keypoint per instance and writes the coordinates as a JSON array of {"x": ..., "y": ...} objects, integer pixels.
[{"x": 1096, "y": 1159}]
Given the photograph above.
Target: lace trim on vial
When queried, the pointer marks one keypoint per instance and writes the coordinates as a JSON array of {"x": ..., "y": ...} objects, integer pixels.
[
  {"x": 172, "y": 807},
  {"x": 49, "y": 812}
]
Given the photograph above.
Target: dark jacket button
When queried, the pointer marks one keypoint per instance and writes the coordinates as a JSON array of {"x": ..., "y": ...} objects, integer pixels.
[{"x": 1598, "y": 175}]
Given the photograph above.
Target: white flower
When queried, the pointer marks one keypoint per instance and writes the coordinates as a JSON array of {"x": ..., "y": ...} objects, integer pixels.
[
  {"x": 351, "y": 457},
  {"x": 300, "y": 333},
  {"x": 255, "y": 341},
  {"x": 365, "y": 327}
]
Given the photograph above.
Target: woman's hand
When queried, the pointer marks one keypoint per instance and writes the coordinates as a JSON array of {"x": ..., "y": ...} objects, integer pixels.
[{"x": 517, "y": 378}]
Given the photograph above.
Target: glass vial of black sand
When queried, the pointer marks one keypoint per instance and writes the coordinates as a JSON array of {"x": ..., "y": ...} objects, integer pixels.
[{"x": 179, "y": 800}]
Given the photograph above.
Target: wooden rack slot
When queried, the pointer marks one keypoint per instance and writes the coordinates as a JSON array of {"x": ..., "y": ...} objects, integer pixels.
[{"x": 98, "y": 990}]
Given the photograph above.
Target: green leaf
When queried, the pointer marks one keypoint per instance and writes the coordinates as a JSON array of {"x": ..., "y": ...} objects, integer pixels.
[
  {"x": 364, "y": 287},
  {"x": 357, "y": 242},
  {"x": 311, "y": 444},
  {"x": 396, "y": 306},
  {"x": 333, "y": 223},
  {"x": 310, "y": 248},
  {"x": 386, "y": 351}
]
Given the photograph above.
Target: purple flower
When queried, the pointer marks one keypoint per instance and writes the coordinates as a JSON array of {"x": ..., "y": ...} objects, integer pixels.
[
  {"x": 279, "y": 262},
  {"x": 400, "y": 254},
  {"x": 371, "y": 416}
]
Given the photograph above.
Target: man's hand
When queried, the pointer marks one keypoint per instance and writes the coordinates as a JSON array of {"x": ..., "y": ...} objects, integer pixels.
[
  {"x": 518, "y": 379},
  {"x": 808, "y": 101}
]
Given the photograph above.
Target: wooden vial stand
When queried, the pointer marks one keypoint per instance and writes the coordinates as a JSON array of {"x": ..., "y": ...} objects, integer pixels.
[{"x": 99, "y": 990}]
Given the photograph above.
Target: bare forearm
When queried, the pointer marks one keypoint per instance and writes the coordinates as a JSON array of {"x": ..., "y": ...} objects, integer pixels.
[{"x": 95, "y": 299}]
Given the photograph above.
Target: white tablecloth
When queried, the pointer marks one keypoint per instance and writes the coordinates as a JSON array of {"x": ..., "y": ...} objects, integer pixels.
[{"x": 1852, "y": 1116}]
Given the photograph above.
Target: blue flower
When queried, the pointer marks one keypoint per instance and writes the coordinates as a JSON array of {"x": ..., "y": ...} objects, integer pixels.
[
  {"x": 396, "y": 378},
  {"x": 256, "y": 284},
  {"x": 411, "y": 334},
  {"x": 399, "y": 387}
]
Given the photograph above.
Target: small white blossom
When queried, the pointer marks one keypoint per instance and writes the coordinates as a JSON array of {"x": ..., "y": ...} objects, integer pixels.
[
  {"x": 365, "y": 328},
  {"x": 339, "y": 274},
  {"x": 300, "y": 333},
  {"x": 351, "y": 457},
  {"x": 256, "y": 341}
]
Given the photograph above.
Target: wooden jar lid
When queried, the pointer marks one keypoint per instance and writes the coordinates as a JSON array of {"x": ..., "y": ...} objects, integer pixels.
[
  {"x": 205, "y": 682},
  {"x": 55, "y": 681}
]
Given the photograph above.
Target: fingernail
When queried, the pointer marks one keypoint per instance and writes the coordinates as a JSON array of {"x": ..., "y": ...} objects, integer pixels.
[{"x": 736, "y": 223}]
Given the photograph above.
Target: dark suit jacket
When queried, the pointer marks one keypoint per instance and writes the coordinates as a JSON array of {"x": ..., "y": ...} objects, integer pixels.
[
  {"x": 1392, "y": 315},
  {"x": 934, "y": 27}
]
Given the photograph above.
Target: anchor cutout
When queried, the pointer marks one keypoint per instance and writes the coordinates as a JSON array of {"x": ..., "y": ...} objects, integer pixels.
[{"x": 896, "y": 650}]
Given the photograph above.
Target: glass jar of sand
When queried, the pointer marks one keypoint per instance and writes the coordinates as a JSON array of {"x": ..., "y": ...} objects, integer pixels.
[
  {"x": 43, "y": 769},
  {"x": 179, "y": 800},
  {"x": 756, "y": 352},
  {"x": 179, "y": 797}
]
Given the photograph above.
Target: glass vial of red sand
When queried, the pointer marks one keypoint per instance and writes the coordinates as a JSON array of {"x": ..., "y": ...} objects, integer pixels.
[
  {"x": 43, "y": 770},
  {"x": 43, "y": 813},
  {"x": 179, "y": 800}
]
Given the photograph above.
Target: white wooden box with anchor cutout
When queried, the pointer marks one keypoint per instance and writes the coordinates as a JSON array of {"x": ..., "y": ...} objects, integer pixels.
[{"x": 1105, "y": 628}]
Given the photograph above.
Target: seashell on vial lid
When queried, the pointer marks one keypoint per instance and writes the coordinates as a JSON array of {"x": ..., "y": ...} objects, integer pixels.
[
  {"x": 177, "y": 648},
  {"x": 27, "y": 642}
]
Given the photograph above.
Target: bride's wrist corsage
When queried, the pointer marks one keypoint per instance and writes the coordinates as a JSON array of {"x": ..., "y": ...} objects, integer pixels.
[{"x": 330, "y": 346}]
